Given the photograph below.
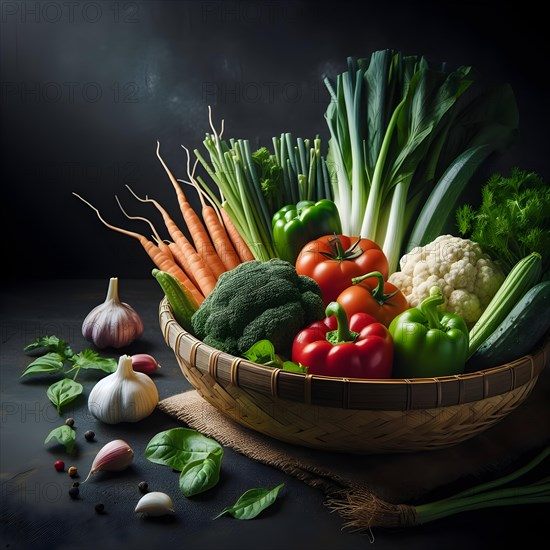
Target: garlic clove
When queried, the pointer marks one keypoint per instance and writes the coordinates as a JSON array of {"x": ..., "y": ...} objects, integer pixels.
[
  {"x": 112, "y": 323},
  {"x": 155, "y": 504},
  {"x": 123, "y": 396},
  {"x": 115, "y": 456},
  {"x": 142, "y": 362}
]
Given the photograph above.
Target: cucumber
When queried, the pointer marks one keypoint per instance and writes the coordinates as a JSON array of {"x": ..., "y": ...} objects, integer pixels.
[
  {"x": 182, "y": 303},
  {"x": 519, "y": 333},
  {"x": 524, "y": 275}
]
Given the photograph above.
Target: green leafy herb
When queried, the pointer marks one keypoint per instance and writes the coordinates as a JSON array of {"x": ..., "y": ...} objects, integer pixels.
[
  {"x": 56, "y": 357},
  {"x": 290, "y": 366},
  {"x": 88, "y": 359},
  {"x": 513, "y": 219},
  {"x": 64, "y": 435},
  {"x": 252, "y": 503},
  {"x": 63, "y": 392},
  {"x": 263, "y": 353},
  {"x": 50, "y": 363},
  {"x": 52, "y": 344},
  {"x": 197, "y": 458},
  {"x": 270, "y": 176},
  {"x": 201, "y": 475}
]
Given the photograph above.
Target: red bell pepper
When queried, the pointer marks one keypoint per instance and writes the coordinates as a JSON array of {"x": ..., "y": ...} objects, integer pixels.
[{"x": 360, "y": 348}]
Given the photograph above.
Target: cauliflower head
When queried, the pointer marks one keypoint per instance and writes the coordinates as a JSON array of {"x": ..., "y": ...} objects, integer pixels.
[{"x": 468, "y": 278}]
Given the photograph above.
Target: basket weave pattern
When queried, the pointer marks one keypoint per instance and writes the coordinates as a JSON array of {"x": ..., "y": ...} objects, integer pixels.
[{"x": 357, "y": 416}]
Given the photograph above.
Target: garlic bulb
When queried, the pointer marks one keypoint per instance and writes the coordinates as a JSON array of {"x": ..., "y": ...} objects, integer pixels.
[
  {"x": 124, "y": 396},
  {"x": 112, "y": 323},
  {"x": 155, "y": 504}
]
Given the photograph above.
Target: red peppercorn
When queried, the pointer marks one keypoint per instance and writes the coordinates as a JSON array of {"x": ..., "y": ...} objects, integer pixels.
[{"x": 59, "y": 465}]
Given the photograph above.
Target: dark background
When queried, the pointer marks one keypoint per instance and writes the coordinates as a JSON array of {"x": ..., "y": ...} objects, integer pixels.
[{"x": 88, "y": 87}]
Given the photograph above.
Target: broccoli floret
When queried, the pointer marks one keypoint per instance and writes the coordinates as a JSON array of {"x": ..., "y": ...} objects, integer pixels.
[{"x": 256, "y": 301}]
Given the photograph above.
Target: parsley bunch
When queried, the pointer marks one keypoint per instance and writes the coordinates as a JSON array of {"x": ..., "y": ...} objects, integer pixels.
[{"x": 513, "y": 219}]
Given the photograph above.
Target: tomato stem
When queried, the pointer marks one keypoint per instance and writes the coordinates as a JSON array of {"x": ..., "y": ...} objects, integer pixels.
[
  {"x": 378, "y": 292},
  {"x": 337, "y": 250}
]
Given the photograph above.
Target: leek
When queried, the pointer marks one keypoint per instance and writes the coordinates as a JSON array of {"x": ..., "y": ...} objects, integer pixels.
[{"x": 396, "y": 124}]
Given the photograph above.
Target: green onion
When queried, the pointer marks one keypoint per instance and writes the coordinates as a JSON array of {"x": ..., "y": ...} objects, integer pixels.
[
  {"x": 364, "y": 511},
  {"x": 252, "y": 186}
]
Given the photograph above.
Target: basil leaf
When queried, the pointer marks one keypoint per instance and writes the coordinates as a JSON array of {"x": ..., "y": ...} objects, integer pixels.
[
  {"x": 201, "y": 475},
  {"x": 64, "y": 435},
  {"x": 261, "y": 352},
  {"x": 290, "y": 366},
  {"x": 178, "y": 447},
  {"x": 89, "y": 359},
  {"x": 63, "y": 392},
  {"x": 51, "y": 343},
  {"x": 51, "y": 362},
  {"x": 251, "y": 503}
]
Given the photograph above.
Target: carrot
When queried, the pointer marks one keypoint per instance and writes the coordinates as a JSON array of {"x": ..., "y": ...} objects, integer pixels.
[
  {"x": 193, "y": 264},
  {"x": 156, "y": 237},
  {"x": 214, "y": 224},
  {"x": 159, "y": 258},
  {"x": 198, "y": 232},
  {"x": 238, "y": 242}
]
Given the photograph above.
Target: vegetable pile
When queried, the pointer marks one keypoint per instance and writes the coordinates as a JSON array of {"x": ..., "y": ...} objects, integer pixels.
[
  {"x": 289, "y": 232},
  {"x": 361, "y": 261}
]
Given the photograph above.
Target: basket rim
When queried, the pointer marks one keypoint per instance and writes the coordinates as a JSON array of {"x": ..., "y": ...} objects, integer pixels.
[{"x": 395, "y": 393}]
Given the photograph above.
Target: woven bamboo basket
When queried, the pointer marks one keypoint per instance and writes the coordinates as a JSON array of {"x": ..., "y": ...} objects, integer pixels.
[{"x": 352, "y": 415}]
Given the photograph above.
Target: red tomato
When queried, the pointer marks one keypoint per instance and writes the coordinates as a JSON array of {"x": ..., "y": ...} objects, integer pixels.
[{"x": 333, "y": 260}]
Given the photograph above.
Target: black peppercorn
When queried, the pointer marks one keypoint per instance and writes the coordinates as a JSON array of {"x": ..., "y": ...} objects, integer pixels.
[
  {"x": 89, "y": 435},
  {"x": 73, "y": 492},
  {"x": 70, "y": 422},
  {"x": 99, "y": 508},
  {"x": 143, "y": 486}
]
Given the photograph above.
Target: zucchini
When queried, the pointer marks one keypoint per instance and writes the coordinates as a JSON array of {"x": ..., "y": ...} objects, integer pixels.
[
  {"x": 519, "y": 333},
  {"x": 182, "y": 303},
  {"x": 524, "y": 275},
  {"x": 442, "y": 200}
]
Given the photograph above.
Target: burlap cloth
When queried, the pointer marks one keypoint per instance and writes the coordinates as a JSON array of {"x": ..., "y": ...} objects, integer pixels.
[{"x": 349, "y": 482}]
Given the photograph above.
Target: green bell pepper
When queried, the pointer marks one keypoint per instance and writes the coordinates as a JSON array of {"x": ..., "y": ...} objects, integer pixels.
[
  {"x": 428, "y": 342},
  {"x": 294, "y": 225}
]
